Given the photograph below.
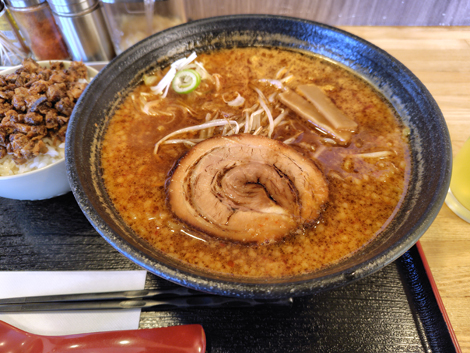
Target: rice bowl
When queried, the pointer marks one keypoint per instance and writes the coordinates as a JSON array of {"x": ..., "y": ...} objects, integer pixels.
[{"x": 43, "y": 176}]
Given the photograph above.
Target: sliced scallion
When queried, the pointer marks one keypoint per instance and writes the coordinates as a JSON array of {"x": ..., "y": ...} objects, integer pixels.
[{"x": 186, "y": 81}]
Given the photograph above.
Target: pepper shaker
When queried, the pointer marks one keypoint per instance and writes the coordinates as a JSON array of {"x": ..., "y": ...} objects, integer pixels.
[
  {"x": 84, "y": 29},
  {"x": 41, "y": 33}
]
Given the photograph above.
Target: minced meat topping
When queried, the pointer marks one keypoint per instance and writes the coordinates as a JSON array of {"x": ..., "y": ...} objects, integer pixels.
[{"x": 36, "y": 102}]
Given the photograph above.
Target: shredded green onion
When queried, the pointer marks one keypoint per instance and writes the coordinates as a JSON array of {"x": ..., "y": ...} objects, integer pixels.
[{"x": 186, "y": 81}]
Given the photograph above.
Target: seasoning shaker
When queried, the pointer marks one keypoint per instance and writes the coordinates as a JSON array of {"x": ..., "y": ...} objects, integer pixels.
[
  {"x": 37, "y": 25},
  {"x": 12, "y": 47},
  {"x": 84, "y": 29},
  {"x": 130, "y": 21}
]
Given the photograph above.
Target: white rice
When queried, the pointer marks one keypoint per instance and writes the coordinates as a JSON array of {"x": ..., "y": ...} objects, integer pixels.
[{"x": 54, "y": 154}]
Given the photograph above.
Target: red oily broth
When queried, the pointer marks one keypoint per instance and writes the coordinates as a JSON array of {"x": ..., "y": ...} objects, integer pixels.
[{"x": 367, "y": 178}]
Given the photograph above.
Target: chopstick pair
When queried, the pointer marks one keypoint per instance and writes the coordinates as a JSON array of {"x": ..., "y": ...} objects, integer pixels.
[{"x": 157, "y": 298}]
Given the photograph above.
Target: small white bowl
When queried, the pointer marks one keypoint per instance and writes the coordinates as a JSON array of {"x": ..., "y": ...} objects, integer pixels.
[{"x": 39, "y": 184}]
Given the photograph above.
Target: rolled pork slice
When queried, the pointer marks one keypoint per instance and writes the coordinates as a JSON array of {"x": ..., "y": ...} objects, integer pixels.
[{"x": 246, "y": 188}]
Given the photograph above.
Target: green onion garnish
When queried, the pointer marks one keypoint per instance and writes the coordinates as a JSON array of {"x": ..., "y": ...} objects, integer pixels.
[{"x": 186, "y": 81}]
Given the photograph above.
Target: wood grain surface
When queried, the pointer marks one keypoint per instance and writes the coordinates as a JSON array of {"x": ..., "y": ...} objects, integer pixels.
[
  {"x": 440, "y": 57},
  {"x": 344, "y": 12}
]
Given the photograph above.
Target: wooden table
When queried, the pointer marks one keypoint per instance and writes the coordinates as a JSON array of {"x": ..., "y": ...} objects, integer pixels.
[{"x": 440, "y": 57}]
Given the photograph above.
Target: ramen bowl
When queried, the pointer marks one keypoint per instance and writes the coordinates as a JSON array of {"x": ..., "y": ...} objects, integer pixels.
[
  {"x": 41, "y": 183},
  {"x": 429, "y": 146}
]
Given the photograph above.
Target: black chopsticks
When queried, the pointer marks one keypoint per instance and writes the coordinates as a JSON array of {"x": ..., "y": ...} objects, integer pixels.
[
  {"x": 171, "y": 298},
  {"x": 131, "y": 294}
]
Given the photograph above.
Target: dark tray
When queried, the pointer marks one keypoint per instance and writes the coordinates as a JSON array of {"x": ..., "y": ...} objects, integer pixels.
[{"x": 393, "y": 310}]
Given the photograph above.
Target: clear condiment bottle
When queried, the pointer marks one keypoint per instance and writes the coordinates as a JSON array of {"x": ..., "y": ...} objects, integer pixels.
[
  {"x": 12, "y": 47},
  {"x": 130, "y": 21},
  {"x": 36, "y": 23}
]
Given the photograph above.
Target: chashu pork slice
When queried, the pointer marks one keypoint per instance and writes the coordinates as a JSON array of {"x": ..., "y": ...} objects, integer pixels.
[{"x": 246, "y": 188}]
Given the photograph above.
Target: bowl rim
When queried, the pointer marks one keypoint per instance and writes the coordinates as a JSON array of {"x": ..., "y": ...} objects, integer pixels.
[
  {"x": 61, "y": 160},
  {"x": 260, "y": 289}
]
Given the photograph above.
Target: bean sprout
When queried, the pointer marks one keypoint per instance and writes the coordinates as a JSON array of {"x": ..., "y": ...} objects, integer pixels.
[{"x": 213, "y": 123}]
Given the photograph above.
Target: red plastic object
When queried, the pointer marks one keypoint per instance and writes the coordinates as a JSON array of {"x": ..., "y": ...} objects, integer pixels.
[
  {"x": 438, "y": 297},
  {"x": 175, "y": 339}
]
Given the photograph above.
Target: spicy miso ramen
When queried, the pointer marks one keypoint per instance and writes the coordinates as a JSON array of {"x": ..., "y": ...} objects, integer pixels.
[{"x": 256, "y": 162}]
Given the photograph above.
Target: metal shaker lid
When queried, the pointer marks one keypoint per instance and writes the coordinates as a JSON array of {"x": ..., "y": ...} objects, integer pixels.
[
  {"x": 23, "y": 3},
  {"x": 71, "y": 7}
]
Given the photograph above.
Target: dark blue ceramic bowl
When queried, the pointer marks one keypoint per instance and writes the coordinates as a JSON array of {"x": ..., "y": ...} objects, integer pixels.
[{"x": 430, "y": 144}]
